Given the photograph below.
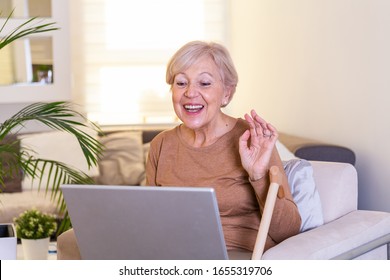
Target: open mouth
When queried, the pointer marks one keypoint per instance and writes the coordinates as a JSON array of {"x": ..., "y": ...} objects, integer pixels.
[{"x": 193, "y": 108}]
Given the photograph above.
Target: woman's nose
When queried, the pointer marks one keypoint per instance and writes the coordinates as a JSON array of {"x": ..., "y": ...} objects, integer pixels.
[{"x": 191, "y": 91}]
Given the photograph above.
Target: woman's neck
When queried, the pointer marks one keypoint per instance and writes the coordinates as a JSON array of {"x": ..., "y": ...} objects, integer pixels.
[{"x": 208, "y": 135}]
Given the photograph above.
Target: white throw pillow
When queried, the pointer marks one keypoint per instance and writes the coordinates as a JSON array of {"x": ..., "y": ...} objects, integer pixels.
[
  {"x": 55, "y": 145},
  {"x": 300, "y": 177}
]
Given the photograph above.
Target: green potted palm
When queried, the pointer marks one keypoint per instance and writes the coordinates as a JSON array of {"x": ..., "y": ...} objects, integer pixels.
[{"x": 61, "y": 116}]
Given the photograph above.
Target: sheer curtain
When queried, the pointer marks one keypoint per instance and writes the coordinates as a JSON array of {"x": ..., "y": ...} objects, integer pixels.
[{"x": 120, "y": 50}]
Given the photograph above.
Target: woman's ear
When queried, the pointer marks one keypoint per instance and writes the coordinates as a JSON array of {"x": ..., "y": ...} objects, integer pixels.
[{"x": 227, "y": 96}]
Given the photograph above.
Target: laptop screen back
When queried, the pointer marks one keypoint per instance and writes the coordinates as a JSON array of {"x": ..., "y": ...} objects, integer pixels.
[{"x": 133, "y": 222}]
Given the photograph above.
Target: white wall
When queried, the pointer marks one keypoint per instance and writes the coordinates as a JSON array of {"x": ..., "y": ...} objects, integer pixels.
[{"x": 320, "y": 69}]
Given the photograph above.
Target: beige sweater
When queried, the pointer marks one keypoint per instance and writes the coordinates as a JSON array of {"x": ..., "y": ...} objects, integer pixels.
[{"x": 172, "y": 162}]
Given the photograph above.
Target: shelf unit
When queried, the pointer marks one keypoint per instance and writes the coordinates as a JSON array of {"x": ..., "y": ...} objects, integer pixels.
[{"x": 60, "y": 89}]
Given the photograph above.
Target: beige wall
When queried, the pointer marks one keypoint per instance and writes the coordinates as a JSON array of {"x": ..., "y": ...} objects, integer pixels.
[{"x": 320, "y": 69}]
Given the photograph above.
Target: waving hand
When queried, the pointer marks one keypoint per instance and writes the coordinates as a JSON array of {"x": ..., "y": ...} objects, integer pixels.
[{"x": 256, "y": 146}]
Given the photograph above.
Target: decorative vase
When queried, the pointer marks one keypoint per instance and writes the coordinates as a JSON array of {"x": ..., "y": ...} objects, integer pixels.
[{"x": 35, "y": 249}]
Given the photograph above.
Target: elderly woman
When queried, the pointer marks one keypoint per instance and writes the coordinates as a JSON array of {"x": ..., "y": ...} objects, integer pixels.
[{"x": 211, "y": 148}]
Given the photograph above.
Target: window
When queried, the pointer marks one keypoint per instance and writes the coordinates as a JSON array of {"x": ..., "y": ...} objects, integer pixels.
[{"x": 122, "y": 49}]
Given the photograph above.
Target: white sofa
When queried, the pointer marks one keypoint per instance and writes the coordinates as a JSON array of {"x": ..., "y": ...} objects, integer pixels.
[{"x": 347, "y": 233}]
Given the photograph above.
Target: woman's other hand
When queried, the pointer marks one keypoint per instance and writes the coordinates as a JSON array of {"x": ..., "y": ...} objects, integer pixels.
[{"x": 256, "y": 146}]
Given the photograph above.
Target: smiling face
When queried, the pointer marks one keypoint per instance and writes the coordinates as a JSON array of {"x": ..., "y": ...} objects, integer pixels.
[{"x": 198, "y": 93}]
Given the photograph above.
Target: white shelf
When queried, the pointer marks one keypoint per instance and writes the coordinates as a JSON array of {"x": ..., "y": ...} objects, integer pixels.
[{"x": 60, "y": 90}]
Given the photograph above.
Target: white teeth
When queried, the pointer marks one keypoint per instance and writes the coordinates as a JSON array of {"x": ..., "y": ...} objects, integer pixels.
[{"x": 193, "y": 107}]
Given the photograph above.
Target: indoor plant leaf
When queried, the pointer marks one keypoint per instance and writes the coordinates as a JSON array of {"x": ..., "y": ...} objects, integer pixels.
[{"x": 24, "y": 30}]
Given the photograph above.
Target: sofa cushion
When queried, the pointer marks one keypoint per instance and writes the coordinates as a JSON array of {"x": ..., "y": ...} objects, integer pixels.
[
  {"x": 122, "y": 162},
  {"x": 303, "y": 189},
  {"x": 55, "y": 145},
  {"x": 12, "y": 183}
]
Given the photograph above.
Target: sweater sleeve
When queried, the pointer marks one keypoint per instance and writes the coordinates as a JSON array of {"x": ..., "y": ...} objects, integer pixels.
[
  {"x": 152, "y": 161},
  {"x": 286, "y": 220}
]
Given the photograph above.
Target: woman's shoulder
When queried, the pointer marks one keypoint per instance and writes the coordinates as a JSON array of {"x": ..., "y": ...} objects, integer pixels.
[
  {"x": 165, "y": 135},
  {"x": 240, "y": 126}
]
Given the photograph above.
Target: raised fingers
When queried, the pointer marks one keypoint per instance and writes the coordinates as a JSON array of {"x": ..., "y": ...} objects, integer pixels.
[
  {"x": 273, "y": 131},
  {"x": 254, "y": 127},
  {"x": 263, "y": 129},
  {"x": 260, "y": 123}
]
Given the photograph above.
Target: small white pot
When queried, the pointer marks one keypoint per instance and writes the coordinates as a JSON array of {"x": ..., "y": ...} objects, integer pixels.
[{"x": 35, "y": 249}]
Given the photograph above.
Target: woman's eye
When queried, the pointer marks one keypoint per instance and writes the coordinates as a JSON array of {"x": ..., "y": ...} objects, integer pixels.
[
  {"x": 205, "y": 84},
  {"x": 180, "y": 84}
]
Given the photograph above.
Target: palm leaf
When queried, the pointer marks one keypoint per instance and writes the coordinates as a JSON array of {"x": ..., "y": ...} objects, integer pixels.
[
  {"x": 58, "y": 116},
  {"x": 25, "y": 29}
]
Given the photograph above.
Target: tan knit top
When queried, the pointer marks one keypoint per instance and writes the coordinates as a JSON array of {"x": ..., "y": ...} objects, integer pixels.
[{"x": 173, "y": 162}]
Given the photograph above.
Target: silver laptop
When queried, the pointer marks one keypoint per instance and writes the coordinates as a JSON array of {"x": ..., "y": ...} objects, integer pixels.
[{"x": 145, "y": 223}]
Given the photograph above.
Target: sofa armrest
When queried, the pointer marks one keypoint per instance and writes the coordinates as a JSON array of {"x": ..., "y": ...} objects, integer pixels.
[
  {"x": 315, "y": 150},
  {"x": 351, "y": 235},
  {"x": 337, "y": 185}
]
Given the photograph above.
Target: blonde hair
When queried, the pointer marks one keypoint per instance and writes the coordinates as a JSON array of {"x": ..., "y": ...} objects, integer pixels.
[{"x": 188, "y": 54}]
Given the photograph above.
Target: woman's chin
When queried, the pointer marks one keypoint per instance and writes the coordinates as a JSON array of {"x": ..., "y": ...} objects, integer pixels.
[{"x": 193, "y": 123}]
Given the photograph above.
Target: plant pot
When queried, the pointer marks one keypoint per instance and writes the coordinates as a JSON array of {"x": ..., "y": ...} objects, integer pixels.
[
  {"x": 35, "y": 249},
  {"x": 8, "y": 242}
]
